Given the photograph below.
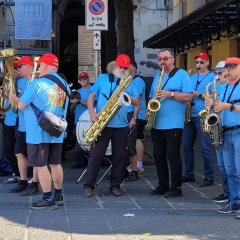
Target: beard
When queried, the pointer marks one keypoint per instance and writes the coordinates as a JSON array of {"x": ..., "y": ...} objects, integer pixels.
[{"x": 121, "y": 72}]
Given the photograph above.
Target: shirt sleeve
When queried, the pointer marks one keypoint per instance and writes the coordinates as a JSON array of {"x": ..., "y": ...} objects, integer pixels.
[
  {"x": 186, "y": 83},
  {"x": 30, "y": 93}
]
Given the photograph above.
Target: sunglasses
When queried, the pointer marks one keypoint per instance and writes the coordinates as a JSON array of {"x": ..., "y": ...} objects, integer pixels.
[
  {"x": 201, "y": 62},
  {"x": 20, "y": 65},
  {"x": 82, "y": 79},
  {"x": 165, "y": 59},
  {"x": 219, "y": 73},
  {"x": 124, "y": 68}
]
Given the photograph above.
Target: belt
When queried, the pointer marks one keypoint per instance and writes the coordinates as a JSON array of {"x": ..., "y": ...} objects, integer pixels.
[{"x": 230, "y": 128}]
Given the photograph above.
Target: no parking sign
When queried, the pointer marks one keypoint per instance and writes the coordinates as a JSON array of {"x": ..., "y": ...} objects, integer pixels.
[{"x": 96, "y": 12}]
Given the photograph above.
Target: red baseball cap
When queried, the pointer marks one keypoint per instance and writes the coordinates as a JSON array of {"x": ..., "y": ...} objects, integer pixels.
[
  {"x": 123, "y": 61},
  {"x": 25, "y": 60},
  {"x": 202, "y": 55},
  {"x": 15, "y": 64},
  {"x": 232, "y": 62},
  {"x": 83, "y": 75},
  {"x": 49, "y": 59}
]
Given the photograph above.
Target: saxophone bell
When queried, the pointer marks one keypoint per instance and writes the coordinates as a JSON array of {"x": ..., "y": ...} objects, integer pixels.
[
  {"x": 124, "y": 99},
  {"x": 154, "y": 105}
]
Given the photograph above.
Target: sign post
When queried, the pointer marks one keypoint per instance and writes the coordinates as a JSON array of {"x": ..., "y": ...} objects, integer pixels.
[{"x": 96, "y": 12}]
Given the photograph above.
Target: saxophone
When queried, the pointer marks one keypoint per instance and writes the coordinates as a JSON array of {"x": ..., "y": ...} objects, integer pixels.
[
  {"x": 189, "y": 104},
  {"x": 34, "y": 73},
  {"x": 204, "y": 113},
  {"x": 9, "y": 81},
  {"x": 118, "y": 99},
  {"x": 154, "y": 104},
  {"x": 214, "y": 120}
]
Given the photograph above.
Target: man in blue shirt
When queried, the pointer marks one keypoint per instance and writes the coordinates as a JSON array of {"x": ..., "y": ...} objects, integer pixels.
[
  {"x": 168, "y": 126},
  {"x": 194, "y": 129},
  {"x": 83, "y": 80},
  {"x": 116, "y": 130},
  {"x": 229, "y": 106},
  {"x": 25, "y": 69},
  {"x": 42, "y": 148}
]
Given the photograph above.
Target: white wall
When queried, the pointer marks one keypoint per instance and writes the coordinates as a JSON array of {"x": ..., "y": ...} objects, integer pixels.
[{"x": 148, "y": 20}]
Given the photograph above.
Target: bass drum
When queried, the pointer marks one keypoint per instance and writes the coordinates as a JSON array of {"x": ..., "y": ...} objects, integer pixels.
[{"x": 83, "y": 125}]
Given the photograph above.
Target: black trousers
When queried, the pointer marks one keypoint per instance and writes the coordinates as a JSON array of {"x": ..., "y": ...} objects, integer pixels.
[
  {"x": 166, "y": 146},
  {"x": 118, "y": 137},
  {"x": 9, "y": 145}
]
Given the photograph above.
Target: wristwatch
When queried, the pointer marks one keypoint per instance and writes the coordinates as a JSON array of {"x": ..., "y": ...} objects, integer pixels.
[
  {"x": 200, "y": 95},
  {"x": 134, "y": 117},
  {"x": 172, "y": 96},
  {"x": 232, "y": 107}
]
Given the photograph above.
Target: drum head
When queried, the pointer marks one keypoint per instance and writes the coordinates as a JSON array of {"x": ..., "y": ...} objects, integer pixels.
[{"x": 83, "y": 125}]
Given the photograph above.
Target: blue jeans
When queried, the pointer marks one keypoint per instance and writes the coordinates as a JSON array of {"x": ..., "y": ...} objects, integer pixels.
[
  {"x": 190, "y": 132},
  {"x": 231, "y": 153},
  {"x": 223, "y": 172}
]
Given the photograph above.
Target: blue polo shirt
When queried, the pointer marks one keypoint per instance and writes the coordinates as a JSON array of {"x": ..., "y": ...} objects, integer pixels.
[
  {"x": 22, "y": 84},
  {"x": 172, "y": 112},
  {"x": 102, "y": 89},
  {"x": 47, "y": 96},
  {"x": 199, "y": 83},
  {"x": 228, "y": 94},
  {"x": 10, "y": 118},
  {"x": 80, "y": 109}
]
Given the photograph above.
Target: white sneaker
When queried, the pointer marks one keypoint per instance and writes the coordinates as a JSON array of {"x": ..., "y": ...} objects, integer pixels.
[
  {"x": 139, "y": 170},
  {"x": 12, "y": 179}
]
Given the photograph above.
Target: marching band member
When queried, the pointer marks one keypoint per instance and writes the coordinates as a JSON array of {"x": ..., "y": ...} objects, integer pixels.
[
  {"x": 229, "y": 105},
  {"x": 117, "y": 129},
  {"x": 193, "y": 128},
  {"x": 168, "y": 126}
]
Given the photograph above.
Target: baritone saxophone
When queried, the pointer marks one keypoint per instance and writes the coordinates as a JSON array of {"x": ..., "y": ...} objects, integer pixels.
[{"x": 154, "y": 104}]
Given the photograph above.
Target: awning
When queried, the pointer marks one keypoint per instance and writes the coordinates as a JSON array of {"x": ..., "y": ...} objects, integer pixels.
[{"x": 215, "y": 19}]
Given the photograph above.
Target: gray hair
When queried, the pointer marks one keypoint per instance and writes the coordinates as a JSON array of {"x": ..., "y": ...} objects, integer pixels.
[{"x": 167, "y": 49}]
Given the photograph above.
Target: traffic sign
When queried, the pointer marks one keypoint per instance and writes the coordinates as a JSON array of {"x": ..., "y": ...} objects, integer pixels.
[
  {"x": 96, "y": 12},
  {"x": 96, "y": 40}
]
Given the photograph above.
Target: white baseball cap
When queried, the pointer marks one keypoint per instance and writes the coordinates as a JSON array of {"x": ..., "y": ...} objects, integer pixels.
[{"x": 219, "y": 66}]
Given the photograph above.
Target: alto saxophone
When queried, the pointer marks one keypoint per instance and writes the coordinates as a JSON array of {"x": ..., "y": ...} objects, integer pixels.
[
  {"x": 154, "y": 104},
  {"x": 189, "y": 104},
  {"x": 118, "y": 99},
  {"x": 214, "y": 120},
  {"x": 204, "y": 113}
]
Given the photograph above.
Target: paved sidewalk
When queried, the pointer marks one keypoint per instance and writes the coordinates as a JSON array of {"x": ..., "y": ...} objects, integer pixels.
[{"x": 101, "y": 217}]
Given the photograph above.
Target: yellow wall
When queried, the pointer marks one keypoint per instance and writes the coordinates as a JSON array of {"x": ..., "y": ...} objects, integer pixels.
[
  {"x": 176, "y": 2},
  {"x": 223, "y": 50}
]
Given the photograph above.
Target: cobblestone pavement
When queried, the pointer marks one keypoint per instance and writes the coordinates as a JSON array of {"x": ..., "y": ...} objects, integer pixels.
[{"x": 193, "y": 216}]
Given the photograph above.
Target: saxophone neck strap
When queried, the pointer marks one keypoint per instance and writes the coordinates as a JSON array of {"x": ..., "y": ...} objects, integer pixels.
[{"x": 170, "y": 75}]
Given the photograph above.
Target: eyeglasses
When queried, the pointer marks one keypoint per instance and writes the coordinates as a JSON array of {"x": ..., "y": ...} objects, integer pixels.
[
  {"x": 165, "y": 59},
  {"x": 201, "y": 62},
  {"x": 82, "y": 79},
  {"x": 20, "y": 65}
]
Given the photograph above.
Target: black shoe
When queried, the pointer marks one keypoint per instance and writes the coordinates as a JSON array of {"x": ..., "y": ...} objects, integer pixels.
[
  {"x": 115, "y": 191},
  {"x": 30, "y": 191},
  {"x": 77, "y": 166},
  {"x": 159, "y": 190},
  {"x": 207, "y": 182},
  {"x": 19, "y": 188},
  {"x": 58, "y": 199},
  {"x": 188, "y": 179},
  {"x": 44, "y": 203},
  {"x": 221, "y": 199},
  {"x": 133, "y": 176},
  {"x": 174, "y": 192},
  {"x": 88, "y": 192}
]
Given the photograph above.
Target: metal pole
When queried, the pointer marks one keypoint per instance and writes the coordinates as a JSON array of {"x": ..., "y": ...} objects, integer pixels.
[{"x": 96, "y": 65}]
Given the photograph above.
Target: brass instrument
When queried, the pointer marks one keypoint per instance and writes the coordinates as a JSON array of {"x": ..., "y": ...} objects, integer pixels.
[
  {"x": 118, "y": 99},
  {"x": 189, "y": 104},
  {"x": 154, "y": 104},
  {"x": 9, "y": 81},
  {"x": 213, "y": 120},
  {"x": 205, "y": 112},
  {"x": 34, "y": 73}
]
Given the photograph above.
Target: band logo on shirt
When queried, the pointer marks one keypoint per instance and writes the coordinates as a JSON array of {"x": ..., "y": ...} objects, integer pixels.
[{"x": 56, "y": 96}]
